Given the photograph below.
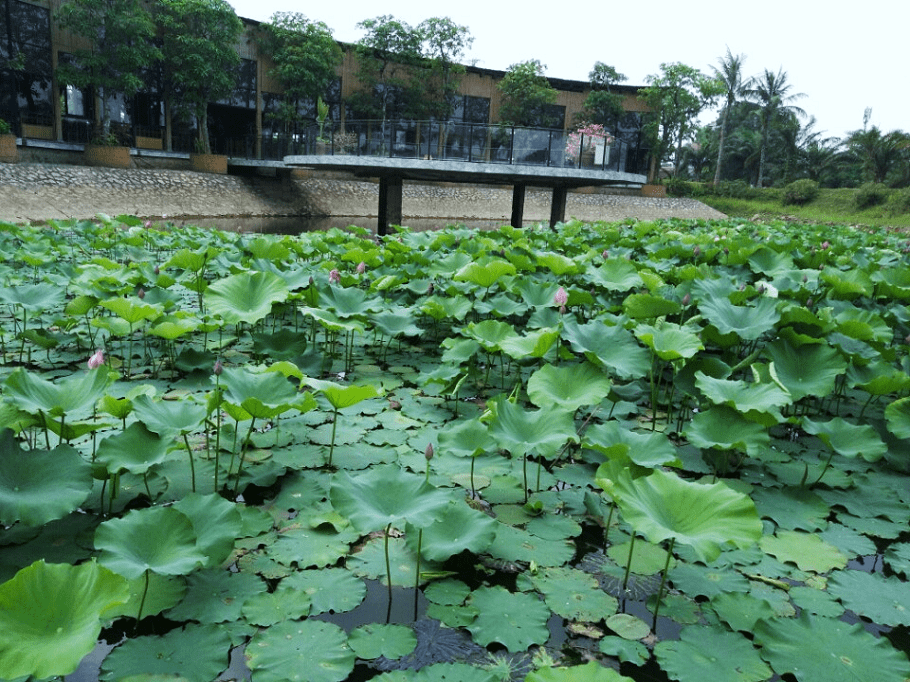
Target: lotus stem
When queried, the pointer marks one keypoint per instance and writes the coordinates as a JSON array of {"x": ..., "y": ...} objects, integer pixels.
[
  {"x": 189, "y": 451},
  {"x": 334, "y": 426},
  {"x": 417, "y": 572},
  {"x": 473, "y": 490},
  {"x": 663, "y": 584},
  {"x": 625, "y": 578},
  {"x": 145, "y": 592},
  {"x": 388, "y": 572},
  {"x": 824, "y": 469},
  {"x": 243, "y": 447}
]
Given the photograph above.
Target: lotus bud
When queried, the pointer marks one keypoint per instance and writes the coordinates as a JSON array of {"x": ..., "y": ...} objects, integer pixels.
[
  {"x": 430, "y": 288},
  {"x": 96, "y": 360},
  {"x": 825, "y": 245},
  {"x": 805, "y": 278},
  {"x": 147, "y": 224},
  {"x": 141, "y": 293},
  {"x": 562, "y": 310},
  {"x": 808, "y": 302},
  {"x": 907, "y": 340},
  {"x": 726, "y": 251},
  {"x": 605, "y": 254},
  {"x": 560, "y": 298},
  {"x": 312, "y": 281},
  {"x": 696, "y": 251},
  {"x": 157, "y": 270},
  {"x": 686, "y": 299},
  {"x": 334, "y": 276},
  {"x": 361, "y": 268},
  {"x": 218, "y": 368},
  {"x": 428, "y": 453}
]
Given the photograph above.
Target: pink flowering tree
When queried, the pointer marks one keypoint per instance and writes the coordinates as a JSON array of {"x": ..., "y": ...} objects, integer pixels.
[{"x": 584, "y": 138}]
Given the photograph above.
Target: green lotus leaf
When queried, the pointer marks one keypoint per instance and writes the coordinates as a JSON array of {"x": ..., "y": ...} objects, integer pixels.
[
  {"x": 518, "y": 545},
  {"x": 245, "y": 297},
  {"x": 459, "y": 528},
  {"x": 135, "y": 449},
  {"x": 261, "y": 394},
  {"x": 490, "y": 333},
  {"x": 440, "y": 308},
  {"x": 171, "y": 327},
  {"x": 72, "y": 397},
  {"x": 558, "y": 264},
  {"x": 897, "y": 417},
  {"x": 569, "y": 386},
  {"x": 214, "y": 595},
  {"x": 515, "y": 620},
  {"x": 882, "y": 600},
  {"x": 50, "y": 616},
  {"x": 724, "y": 428},
  {"x": 589, "y": 672},
  {"x": 747, "y": 322},
  {"x": 340, "y": 396},
  {"x": 878, "y": 377},
  {"x": 269, "y": 608},
  {"x": 627, "y": 651},
  {"x": 157, "y": 539},
  {"x": 300, "y": 651},
  {"x": 663, "y": 506},
  {"x": 846, "y": 439},
  {"x": 217, "y": 524},
  {"x": 650, "y": 449},
  {"x": 374, "y": 640},
  {"x": 163, "y": 593},
  {"x": 387, "y": 495},
  {"x": 396, "y": 322},
  {"x": 649, "y": 306},
  {"x": 612, "y": 346},
  {"x": 759, "y": 402},
  {"x": 195, "y": 653},
  {"x": 741, "y": 611},
  {"x": 329, "y": 589},
  {"x": 570, "y": 593},
  {"x": 769, "y": 262},
  {"x": 167, "y": 417},
  {"x": 816, "y": 649},
  {"x": 534, "y": 344},
  {"x": 669, "y": 341},
  {"x": 484, "y": 275},
  {"x": 710, "y": 653},
  {"x": 346, "y": 302},
  {"x": 38, "y": 486},
  {"x": 132, "y": 312},
  {"x": 847, "y": 284},
  {"x": 695, "y": 580},
  {"x": 616, "y": 274},
  {"x": 647, "y": 559},
  {"x": 808, "y": 551},
  {"x": 33, "y": 297},
  {"x": 501, "y": 305},
  {"x": 864, "y": 325},
  {"x": 305, "y": 547},
  {"x": 466, "y": 438},
  {"x": 810, "y": 369},
  {"x": 521, "y": 431}
]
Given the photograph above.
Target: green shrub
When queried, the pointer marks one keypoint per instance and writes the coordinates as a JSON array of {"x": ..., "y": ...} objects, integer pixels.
[
  {"x": 684, "y": 188},
  {"x": 4, "y": 127},
  {"x": 899, "y": 202},
  {"x": 736, "y": 189},
  {"x": 800, "y": 192},
  {"x": 870, "y": 194}
]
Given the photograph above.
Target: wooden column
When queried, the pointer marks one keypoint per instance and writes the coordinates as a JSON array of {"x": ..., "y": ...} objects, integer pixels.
[
  {"x": 390, "y": 188},
  {"x": 518, "y": 205},
  {"x": 558, "y": 207}
]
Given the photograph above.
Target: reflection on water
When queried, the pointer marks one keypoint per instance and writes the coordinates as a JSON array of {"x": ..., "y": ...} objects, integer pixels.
[{"x": 300, "y": 224}]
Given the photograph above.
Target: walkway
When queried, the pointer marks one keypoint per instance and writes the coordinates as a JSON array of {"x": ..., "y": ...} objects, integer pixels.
[{"x": 393, "y": 171}]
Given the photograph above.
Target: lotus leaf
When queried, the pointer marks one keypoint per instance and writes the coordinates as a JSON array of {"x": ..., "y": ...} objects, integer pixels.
[
  {"x": 846, "y": 439},
  {"x": 484, "y": 274},
  {"x": 747, "y": 322},
  {"x": 38, "y": 486},
  {"x": 669, "y": 341},
  {"x": 245, "y": 297},
  {"x": 627, "y": 651},
  {"x": 709, "y": 653},
  {"x": 268, "y": 608},
  {"x": 72, "y": 397},
  {"x": 543, "y": 431},
  {"x": 882, "y": 600},
  {"x": 612, "y": 346},
  {"x": 50, "y": 616},
  {"x": 374, "y": 640},
  {"x": 300, "y": 651},
  {"x": 135, "y": 449},
  {"x": 724, "y": 428},
  {"x": 515, "y": 620},
  {"x": 648, "y": 450},
  {"x": 329, "y": 589},
  {"x": 570, "y": 593},
  {"x": 459, "y": 528},
  {"x": 589, "y": 672},
  {"x": 215, "y": 595},
  {"x": 816, "y": 649},
  {"x": 569, "y": 386},
  {"x": 810, "y": 369}
]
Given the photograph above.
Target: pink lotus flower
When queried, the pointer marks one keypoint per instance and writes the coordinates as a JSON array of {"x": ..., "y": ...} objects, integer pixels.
[
  {"x": 96, "y": 360},
  {"x": 334, "y": 276},
  {"x": 218, "y": 368},
  {"x": 560, "y": 298},
  {"x": 826, "y": 245},
  {"x": 428, "y": 453},
  {"x": 361, "y": 267}
]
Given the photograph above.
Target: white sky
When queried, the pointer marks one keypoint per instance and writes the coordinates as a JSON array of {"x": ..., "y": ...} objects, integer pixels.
[{"x": 844, "y": 56}]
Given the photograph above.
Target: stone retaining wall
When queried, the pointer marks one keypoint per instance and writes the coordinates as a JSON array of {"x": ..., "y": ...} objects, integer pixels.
[{"x": 37, "y": 192}]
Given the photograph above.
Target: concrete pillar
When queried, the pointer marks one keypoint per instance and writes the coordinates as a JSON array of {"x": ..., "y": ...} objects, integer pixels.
[
  {"x": 390, "y": 188},
  {"x": 518, "y": 205},
  {"x": 558, "y": 207}
]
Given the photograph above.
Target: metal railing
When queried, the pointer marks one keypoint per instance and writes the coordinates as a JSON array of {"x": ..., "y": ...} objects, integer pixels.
[{"x": 449, "y": 141}]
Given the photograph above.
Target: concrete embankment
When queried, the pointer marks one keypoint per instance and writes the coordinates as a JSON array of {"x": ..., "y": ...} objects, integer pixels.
[{"x": 37, "y": 192}]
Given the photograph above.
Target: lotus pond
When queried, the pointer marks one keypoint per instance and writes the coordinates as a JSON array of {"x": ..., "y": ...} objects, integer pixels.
[{"x": 673, "y": 450}]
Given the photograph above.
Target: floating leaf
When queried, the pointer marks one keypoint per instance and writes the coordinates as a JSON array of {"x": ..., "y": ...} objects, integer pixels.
[
  {"x": 846, "y": 439},
  {"x": 747, "y": 322},
  {"x": 669, "y": 341},
  {"x": 807, "y": 370},
  {"x": 300, "y": 651},
  {"x": 374, "y": 640},
  {"x": 709, "y": 653},
  {"x": 569, "y": 386},
  {"x": 515, "y": 620},
  {"x": 50, "y": 616},
  {"x": 883, "y": 600},
  {"x": 570, "y": 593},
  {"x": 589, "y": 672},
  {"x": 459, "y": 528}
]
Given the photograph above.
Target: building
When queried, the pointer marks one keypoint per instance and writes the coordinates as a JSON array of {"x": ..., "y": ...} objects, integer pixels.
[{"x": 39, "y": 107}]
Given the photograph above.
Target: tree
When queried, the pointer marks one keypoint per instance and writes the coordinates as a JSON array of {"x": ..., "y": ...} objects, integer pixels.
[
  {"x": 444, "y": 44},
  {"x": 730, "y": 75},
  {"x": 199, "y": 39},
  {"x": 306, "y": 59},
  {"x": 819, "y": 156},
  {"x": 675, "y": 97},
  {"x": 878, "y": 153},
  {"x": 602, "y": 105},
  {"x": 388, "y": 55},
  {"x": 526, "y": 94},
  {"x": 772, "y": 93},
  {"x": 120, "y": 34}
]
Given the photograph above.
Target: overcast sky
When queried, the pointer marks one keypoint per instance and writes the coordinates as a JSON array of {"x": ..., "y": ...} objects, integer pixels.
[{"x": 843, "y": 56}]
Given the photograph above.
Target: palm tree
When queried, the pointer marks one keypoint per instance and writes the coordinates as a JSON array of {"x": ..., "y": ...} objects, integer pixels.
[
  {"x": 772, "y": 93},
  {"x": 817, "y": 154},
  {"x": 878, "y": 152},
  {"x": 730, "y": 74}
]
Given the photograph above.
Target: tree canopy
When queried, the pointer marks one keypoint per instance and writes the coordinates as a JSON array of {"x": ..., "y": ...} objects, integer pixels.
[{"x": 526, "y": 95}]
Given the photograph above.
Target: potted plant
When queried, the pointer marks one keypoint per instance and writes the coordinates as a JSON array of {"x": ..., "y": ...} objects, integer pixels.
[
  {"x": 9, "y": 153},
  {"x": 586, "y": 141},
  {"x": 322, "y": 113}
]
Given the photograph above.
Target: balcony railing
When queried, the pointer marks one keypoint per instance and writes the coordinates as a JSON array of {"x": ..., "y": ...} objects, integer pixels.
[{"x": 449, "y": 141}]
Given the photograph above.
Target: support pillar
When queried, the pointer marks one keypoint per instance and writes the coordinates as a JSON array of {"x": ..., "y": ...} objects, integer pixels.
[
  {"x": 390, "y": 189},
  {"x": 558, "y": 207},
  {"x": 518, "y": 205}
]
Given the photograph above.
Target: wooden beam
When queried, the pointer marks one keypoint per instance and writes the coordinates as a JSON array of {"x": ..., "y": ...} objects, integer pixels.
[
  {"x": 518, "y": 205},
  {"x": 558, "y": 207},
  {"x": 390, "y": 190}
]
